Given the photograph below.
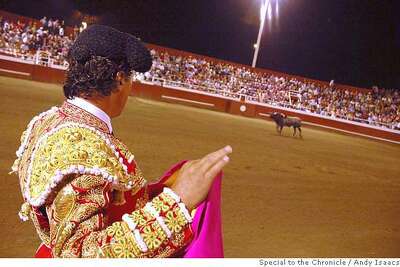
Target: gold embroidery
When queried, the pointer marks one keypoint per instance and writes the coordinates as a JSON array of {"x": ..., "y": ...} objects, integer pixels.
[
  {"x": 71, "y": 147},
  {"x": 64, "y": 203},
  {"x": 123, "y": 243},
  {"x": 83, "y": 241},
  {"x": 61, "y": 151},
  {"x": 77, "y": 217},
  {"x": 88, "y": 181},
  {"x": 159, "y": 205},
  {"x": 153, "y": 235},
  {"x": 165, "y": 252},
  {"x": 48, "y": 121},
  {"x": 140, "y": 217},
  {"x": 167, "y": 199},
  {"x": 76, "y": 114},
  {"x": 62, "y": 234},
  {"x": 174, "y": 221},
  {"x": 178, "y": 240},
  {"x": 116, "y": 230},
  {"x": 141, "y": 202},
  {"x": 90, "y": 246},
  {"x": 81, "y": 234}
]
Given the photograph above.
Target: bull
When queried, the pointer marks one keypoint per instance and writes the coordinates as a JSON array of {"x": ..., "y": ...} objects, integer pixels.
[{"x": 282, "y": 120}]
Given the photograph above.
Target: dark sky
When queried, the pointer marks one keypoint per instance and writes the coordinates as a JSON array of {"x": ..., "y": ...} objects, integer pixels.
[{"x": 355, "y": 42}]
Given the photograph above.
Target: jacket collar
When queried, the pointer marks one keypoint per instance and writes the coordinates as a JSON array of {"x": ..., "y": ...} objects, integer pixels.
[{"x": 79, "y": 112}]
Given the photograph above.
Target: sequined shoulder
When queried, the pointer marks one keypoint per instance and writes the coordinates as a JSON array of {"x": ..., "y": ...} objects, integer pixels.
[{"x": 74, "y": 149}]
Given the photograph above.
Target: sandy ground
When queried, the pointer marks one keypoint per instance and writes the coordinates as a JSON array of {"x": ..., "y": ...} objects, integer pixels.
[{"x": 327, "y": 195}]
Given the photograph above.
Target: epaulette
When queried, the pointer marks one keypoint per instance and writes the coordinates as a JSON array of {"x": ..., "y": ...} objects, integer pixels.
[{"x": 74, "y": 149}]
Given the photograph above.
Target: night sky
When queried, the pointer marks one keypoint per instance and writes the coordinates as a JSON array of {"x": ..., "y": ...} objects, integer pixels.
[{"x": 355, "y": 42}]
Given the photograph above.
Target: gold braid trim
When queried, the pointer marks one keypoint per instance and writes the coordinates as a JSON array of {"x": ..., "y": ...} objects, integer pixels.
[
  {"x": 79, "y": 229},
  {"x": 76, "y": 214},
  {"x": 148, "y": 233},
  {"x": 75, "y": 149}
]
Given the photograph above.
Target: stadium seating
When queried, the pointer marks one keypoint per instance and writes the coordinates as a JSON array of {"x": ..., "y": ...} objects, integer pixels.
[{"x": 380, "y": 107}]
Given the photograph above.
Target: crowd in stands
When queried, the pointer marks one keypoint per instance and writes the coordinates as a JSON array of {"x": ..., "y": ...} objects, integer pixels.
[
  {"x": 379, "y": 107},
  {"x": 26, "y": 39}
]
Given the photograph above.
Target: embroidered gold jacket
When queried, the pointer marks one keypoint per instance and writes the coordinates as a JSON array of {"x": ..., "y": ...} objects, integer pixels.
[{"x": 86, "y": 195}]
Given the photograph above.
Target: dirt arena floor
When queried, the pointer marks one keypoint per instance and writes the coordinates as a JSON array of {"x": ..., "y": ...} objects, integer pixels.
[{"x": 327, "y": 195}]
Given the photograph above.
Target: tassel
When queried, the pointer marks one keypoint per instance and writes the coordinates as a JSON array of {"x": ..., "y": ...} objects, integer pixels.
[
  {"x": 25, "y": 212},
  {"x": 14, "y": 167}
]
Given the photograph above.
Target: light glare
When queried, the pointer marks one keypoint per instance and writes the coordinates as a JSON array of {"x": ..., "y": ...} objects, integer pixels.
[
  {"x": 277, "y": 9},
  {"x": 269, "y": 10},
  {"x": 263, "y": 10}
]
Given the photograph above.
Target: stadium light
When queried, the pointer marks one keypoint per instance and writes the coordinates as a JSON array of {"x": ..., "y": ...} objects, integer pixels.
[
  {"x": 277, "y": 9},
  {"x": 265, "y": 7}
]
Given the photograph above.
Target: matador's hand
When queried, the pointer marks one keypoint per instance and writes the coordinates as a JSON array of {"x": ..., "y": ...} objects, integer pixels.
[{"x": 195, "y": 177}]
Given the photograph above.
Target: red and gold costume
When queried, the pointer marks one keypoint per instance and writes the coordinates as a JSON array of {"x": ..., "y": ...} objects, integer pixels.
[{"x": 86, "y": 195}]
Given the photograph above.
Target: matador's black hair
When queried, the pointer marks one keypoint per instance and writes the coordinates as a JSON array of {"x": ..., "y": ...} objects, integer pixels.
[{"x": 96, "y": 57}]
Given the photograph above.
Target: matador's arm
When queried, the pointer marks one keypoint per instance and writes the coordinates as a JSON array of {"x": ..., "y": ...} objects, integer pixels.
[{"x": 79, "y": 228}]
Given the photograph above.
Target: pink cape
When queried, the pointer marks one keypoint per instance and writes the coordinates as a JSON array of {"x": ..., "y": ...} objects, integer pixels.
[
  {"x": 207, "y": 224},
  {"x": 207, "y": 242}
]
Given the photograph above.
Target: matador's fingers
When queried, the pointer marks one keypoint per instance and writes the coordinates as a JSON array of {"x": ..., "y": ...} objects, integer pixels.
[
  {"x": 216, "y": 168},
  {"x": 211, "y": 159}
]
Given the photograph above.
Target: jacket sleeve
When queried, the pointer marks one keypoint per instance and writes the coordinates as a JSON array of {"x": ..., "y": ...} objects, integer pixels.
[{"x": 79, "y": 228}]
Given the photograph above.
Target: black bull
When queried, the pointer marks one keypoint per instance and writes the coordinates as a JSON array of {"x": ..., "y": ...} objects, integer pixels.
[{"x": 281, "y": 120}]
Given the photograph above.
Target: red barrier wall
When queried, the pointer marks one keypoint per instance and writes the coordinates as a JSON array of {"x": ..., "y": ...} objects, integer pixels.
[
  {"x": 31, "y": 72},
  {"x": 45, "y": 74},
  {"x": 251, "y": 110},
  {"x": 24, "y": 69},
  {"x": 160, "y": 93},
  {"x": 248, "y": 110},
  {"x": 192, "y": 98}
]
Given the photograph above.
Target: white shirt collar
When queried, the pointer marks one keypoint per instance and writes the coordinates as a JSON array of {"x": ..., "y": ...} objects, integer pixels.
[{"x": 92, "y": 109}]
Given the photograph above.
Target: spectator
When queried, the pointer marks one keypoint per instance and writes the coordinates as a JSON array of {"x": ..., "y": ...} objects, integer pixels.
[
  {"x": 324, "y": 100},
  {"x": 379, "y": 107}
]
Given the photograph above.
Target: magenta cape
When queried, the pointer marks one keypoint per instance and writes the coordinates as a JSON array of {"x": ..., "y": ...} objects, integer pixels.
[
  {"x": 207, "y": 242},
  {"x": 207, "y": 224},
  {"x": 207, "y": 228}
]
